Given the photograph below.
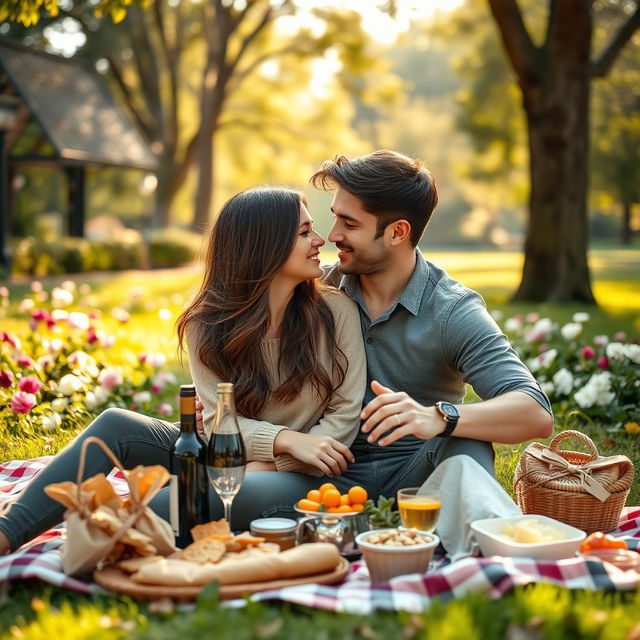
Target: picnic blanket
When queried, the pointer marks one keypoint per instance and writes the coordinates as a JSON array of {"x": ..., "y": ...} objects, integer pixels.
[{"x": 494, "y": 576}]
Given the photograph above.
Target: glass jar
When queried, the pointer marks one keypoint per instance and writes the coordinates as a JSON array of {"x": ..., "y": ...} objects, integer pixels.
[{"x": 282, "y": 531}]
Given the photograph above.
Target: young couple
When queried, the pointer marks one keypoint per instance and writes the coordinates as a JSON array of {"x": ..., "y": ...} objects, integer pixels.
[{"x": 267, "y": 320}]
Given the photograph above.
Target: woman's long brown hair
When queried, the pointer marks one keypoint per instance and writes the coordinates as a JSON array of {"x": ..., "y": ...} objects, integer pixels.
[{"x": 229, "y": 317}]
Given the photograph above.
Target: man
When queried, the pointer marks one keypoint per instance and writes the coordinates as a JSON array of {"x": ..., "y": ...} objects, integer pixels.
[{"x": 425, "y": 334}]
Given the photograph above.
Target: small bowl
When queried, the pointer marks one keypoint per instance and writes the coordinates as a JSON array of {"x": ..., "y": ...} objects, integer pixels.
[
  {"x": 622, "y": 558},
  {"x": 493, "y": 542},
  {"x": 385, "y": 561}
]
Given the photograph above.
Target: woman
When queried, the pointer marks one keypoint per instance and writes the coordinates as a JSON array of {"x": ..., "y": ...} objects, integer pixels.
[{"x": 293, "y": 351}]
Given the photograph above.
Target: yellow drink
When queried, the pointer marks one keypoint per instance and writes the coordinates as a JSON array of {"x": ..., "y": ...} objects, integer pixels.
[{"x": 419, "y": 512}]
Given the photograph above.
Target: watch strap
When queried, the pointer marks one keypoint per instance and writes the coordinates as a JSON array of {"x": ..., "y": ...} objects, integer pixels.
[{"x": 451, "y": 422}]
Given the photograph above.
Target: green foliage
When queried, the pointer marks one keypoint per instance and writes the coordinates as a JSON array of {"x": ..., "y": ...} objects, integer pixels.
[
  {"x": 382, "y": 514},
  {"x": 173, "y": 247},
  {"x": 76, "y": 255}
]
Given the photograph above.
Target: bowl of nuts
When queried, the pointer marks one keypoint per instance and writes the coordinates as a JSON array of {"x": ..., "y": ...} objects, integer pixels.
[{"x": 396, "y": 552}]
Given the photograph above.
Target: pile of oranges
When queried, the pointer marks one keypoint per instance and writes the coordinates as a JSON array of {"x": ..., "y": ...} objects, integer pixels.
[{"x": 328, "y": 498}]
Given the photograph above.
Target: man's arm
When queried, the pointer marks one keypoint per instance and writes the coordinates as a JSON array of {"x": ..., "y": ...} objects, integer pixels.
[{"x": 509, "y": 418}]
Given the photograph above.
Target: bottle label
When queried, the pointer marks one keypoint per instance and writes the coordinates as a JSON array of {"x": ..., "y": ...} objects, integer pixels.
[{"x": 174, "y": 507}]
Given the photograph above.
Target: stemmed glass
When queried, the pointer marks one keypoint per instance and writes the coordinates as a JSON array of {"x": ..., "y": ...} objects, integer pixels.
[{"x": 226, "y": 453}]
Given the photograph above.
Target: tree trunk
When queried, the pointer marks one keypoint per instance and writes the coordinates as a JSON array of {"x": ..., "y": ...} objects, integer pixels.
[
  {"x": 204, "y": 188},
  {"x": 625, "y": 236},
  {"x": 557, "y": 108}
]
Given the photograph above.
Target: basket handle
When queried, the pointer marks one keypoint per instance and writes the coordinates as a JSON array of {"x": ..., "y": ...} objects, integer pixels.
[{"x": 578, "y": 435}]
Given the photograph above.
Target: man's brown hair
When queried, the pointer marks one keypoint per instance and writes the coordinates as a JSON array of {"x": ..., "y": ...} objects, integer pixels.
[{"x": 390, "y": 186}]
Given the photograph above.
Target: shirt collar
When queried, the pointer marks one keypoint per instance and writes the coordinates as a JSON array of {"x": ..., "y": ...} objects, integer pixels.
[{"x": 410, "y": 298}]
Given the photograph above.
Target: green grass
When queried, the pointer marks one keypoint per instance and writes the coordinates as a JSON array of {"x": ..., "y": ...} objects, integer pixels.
[{"x": 32, "y": 610}]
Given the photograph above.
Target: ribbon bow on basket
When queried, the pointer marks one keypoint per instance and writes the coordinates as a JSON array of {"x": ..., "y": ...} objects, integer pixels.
[
  {"x": 102, "y": 526},
  {"x": 585, "y": 490}
]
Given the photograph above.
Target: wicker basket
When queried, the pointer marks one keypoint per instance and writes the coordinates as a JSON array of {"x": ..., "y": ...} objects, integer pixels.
[{"x": 584, "y": 490}]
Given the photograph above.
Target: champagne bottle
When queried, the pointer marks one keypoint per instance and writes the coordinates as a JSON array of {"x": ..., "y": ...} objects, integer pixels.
[
  {"x": 189, "y": 500},
  {"x": 226, "y": 453}
]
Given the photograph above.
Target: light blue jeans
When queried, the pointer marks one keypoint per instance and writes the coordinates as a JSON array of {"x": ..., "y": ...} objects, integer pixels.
[{"x": 137, "y": 439}]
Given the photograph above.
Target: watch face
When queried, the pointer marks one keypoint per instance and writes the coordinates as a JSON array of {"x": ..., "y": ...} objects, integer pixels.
[{"x": 449, "y": 409}]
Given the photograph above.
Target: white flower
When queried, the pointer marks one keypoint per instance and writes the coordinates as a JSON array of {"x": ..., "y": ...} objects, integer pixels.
[
  {"x": 548, "y": 387},
  {"x": 533, "y": 365},
  {"x": 101, "y": 394},
  {"x": 164, "y": 314},
  {"x": 26, "y": 305},
  {"x": 90, "y": 400},
  {"x": 563, "y": 381},
  {"x": 142, "y": 397},
  {"x": 546, "y": 358},
  {"x": 110, "y": 378},
  {"x": 79, "y": 320},
  {"x": 61, "y": 297},
  {"x": 68, "y": 285},
  {"x": 36, "y": 286},
  {"x": 581, "y": 316},
  {"x": 55, "y": 345},
  {"x": 51, "y": 421},
  {"x": 616, "y": 351},
  {"x": 59, "y": 404},
  {"x": 59, "y": 315},
  {"x": 513, "y": 324},
  {"x": 497, "y": 315},
  {"x": 632, "y": 351},
  {"x": 84, "y": 363},
  {"x": 540, "y": 330},
  {"x": 69, "y": 384},
  {"x": 571, "y": 330},
  {"x": 601, "y": 340},
  {"x": 597, "y": 391},
  {"x": 157, "y": 360}
]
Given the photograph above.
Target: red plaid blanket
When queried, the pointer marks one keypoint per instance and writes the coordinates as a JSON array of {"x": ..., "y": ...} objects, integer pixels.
[{"x": 494, "y": 576}]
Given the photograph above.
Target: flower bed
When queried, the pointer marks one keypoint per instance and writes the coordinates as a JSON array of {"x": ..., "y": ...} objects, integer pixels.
[
  {"x": 64, "y": 368},
  {"x": 595, "y": 380}
]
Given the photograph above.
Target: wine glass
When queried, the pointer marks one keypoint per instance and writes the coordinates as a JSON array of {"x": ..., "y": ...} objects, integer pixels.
[{"x": 226, "y": 453}]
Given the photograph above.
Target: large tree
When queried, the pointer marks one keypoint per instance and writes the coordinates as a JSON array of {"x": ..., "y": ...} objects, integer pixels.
[{"x": 555, "y": 80}]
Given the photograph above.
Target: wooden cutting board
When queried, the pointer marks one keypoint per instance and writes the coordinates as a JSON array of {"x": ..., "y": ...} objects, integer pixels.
[{"x": 116, "y": 580}]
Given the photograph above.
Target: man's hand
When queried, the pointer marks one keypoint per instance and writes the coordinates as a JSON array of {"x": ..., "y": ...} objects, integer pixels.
[
  {"x": 400, "y": 415},
  {"x": 321, "y": 451}
]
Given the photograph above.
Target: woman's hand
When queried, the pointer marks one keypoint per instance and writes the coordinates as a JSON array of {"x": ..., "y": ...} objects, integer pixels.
[
  {"x": 257, "y": 465},
  {"x": 321, "y": 451}
]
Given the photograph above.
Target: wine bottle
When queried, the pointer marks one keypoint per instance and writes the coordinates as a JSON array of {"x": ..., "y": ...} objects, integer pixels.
[
  {"x": 188, "y": 498},
  {"x": 226, "y": 453}
]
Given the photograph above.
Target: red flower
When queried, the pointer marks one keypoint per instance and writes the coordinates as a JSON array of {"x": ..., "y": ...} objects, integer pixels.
[
  {"x": 29, "y": 384},
  {"x": 588, "y": 352},
  {"x": 23, "y": 402},
  {"x": 6, "y": 379},
  {"x": 603, "y": 362}
]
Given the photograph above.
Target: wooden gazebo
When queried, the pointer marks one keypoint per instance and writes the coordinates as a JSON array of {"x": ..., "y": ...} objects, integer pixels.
[{"x": 56, "y": 111}]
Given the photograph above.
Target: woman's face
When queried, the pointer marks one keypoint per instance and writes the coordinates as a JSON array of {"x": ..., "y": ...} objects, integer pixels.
[{"x": 303, "y": 262}]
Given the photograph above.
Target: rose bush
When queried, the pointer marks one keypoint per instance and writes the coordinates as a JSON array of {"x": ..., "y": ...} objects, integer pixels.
[
  {"x": 59, "y": 372},
  {"x": 595, "y": 380}
]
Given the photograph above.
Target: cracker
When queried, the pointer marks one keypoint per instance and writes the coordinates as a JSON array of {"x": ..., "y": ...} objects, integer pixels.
[
  {"x": 219, "y": 528},
  {"x": 204, "y": 550},
  {"x": 247, "y": 540},
  {"x": 133, "y": 564}
]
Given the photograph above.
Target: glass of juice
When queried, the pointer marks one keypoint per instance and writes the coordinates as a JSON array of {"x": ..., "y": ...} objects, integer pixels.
[{"x": 419, "y": 508}]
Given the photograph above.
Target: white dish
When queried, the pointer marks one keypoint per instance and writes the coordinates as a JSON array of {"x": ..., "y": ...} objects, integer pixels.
[{"x": 493, "y": 542}]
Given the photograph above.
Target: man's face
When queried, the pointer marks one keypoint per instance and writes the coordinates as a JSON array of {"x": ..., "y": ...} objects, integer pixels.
[{"x": 354, "y": 234}]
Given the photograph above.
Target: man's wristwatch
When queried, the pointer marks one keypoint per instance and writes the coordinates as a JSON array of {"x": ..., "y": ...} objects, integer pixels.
[{"x": 450, "y": 415}]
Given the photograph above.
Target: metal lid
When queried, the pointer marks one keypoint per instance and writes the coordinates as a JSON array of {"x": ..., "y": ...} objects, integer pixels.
[{"x": 273, "y": 525}]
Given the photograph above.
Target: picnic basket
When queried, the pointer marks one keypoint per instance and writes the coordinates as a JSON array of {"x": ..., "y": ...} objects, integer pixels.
[{"x": 585, "y": 490}]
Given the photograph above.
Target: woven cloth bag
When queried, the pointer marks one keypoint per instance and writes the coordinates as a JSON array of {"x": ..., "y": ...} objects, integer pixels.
[{"x": 585, "y": 490}]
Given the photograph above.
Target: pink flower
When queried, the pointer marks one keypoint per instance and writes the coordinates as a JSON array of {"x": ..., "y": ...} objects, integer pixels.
[
  {"x": 133, "y": 406},
  {"x": 29, "y": 384},
  {"x": 588, "y": 352},
  {"x": 7, "y": 337},
  {"x": 23, "y": 402},
  {"x": 533, "y": 317},
  {"x": 620, "y": 336},
  {"x": 603, "y": 362},
  {"x": 110, "y": 378},
  {"x": 156, "y": 388},
  {"x": 6, "y": 379},
  {"x": 165, "y": 409},
  {"x": 142, "y": 357},
  {"x": 92, "y": 336},
  {"x": 25, "y": 361},
  {"x": 543, "y": 347}
]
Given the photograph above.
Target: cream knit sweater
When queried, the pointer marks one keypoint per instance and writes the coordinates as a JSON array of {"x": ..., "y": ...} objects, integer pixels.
[{"x": 338, "y": 418}]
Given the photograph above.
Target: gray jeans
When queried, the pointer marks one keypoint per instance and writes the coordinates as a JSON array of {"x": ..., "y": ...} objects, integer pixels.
[{"x": 137, "y": 439}]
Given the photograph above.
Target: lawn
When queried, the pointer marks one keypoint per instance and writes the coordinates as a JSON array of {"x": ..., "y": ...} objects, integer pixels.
[{"x": 153, "y": 300}]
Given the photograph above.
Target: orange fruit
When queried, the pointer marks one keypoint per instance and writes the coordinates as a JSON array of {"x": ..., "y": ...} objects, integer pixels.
[
  {"x": 345, "y": 508},
  {"x": 331, "y": 498},
  {"x": 344, "y": 499},
  {"x": 333, "y": 510},
  {"x": 327, "y": 486},
  {"x": 357, "y": 507},
  {"x": 308, "y": 505},
  {"x": 358, "y": 495},
  {"x": 315, "y": 496}
]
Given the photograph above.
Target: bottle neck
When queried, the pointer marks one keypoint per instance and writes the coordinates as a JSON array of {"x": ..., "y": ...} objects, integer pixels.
[
  {"x": 187, "y": 414},
  {"x": 225, "y": 421}
]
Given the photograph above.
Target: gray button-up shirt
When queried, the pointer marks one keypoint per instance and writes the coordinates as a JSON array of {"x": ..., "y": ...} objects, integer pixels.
[{"x": 437, "y": 338}]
